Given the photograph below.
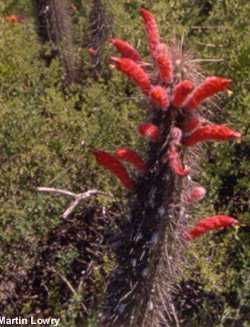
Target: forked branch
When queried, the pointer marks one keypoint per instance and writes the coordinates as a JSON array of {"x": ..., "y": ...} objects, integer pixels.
[{"x": 78, "y": 197}]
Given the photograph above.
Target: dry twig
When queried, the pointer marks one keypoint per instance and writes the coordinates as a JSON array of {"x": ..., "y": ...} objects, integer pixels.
[{"x": 78, "y": 197}]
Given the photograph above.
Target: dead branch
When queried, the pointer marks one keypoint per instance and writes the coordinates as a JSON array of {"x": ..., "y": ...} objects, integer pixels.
[{"x": 78, "y": 197}]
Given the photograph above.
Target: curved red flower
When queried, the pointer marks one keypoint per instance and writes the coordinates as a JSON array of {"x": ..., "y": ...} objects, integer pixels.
[
  {"x": 164, "y": 63},
  {"x": 173, "y": 155},
  {"x": 126, "y": 49},
  {"x": 134, "y": 71},
  {"x": 208, "y": 88},
  {"x": 159, "y": 96},
  {"x": 149, "y": 130},
  {"x": 191, "y": 123},
  {"x": 210, "y": 223},
  {"x": 151, "y": 29},
  {"x": 211, "y": 132},
  {"x": 132, "y": 157},
  {"x": 180, "y": 93},
  {"x": 111, "y": 163},
  {"x": 175, "y": 163}
]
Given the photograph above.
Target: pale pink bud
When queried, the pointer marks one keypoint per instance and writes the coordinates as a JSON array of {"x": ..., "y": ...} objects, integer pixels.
[{"x": 196, "y": 194}]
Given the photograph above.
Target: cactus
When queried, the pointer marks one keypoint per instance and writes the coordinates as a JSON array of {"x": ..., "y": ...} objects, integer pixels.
[
  {"x": 99, "y": 28},
  {"x": 54, "y": 24},
  {"x": 153, "y": 232},
  {"x": 139, "y": 291}
]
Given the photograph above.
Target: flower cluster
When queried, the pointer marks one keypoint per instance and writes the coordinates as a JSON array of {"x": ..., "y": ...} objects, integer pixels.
[
  {"x": 182, "y": 98},
  {"x": 114, "y": 165},
  {"x": 132, "y": 157},
  {"x": 111, "y": 163}
]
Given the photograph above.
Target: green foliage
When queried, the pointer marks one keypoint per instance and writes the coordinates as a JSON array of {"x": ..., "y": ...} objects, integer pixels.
[
  {"x": 223, "y": 259},
  {"x": 46, "y": 137}
]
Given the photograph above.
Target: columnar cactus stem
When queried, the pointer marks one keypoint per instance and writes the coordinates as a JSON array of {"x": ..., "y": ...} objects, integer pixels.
[
  {"x": 143, "y": 239},
  {"x": 150, "y": 240},
  {"x": 54, "y": 24},
  {"x": 99, "y": 28},
  {"x": 139, "y": 290}
]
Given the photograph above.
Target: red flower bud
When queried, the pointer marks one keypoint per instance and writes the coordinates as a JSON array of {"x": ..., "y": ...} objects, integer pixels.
[
  {"x": 164, "y": 63},
  {"x": 134, "y": 72},
  {"x": 92, "y": 51},
  {"x": 151, "y": 29},
  {"x": 126, "y": 50},
  {"x": 132, "y": 157},
  {"x": 175, "y": 162},
  {"x": 176, "y": 135},
  {"x": 208, "y": 88},
  {"x": 208, "y": 224},
  {"x": 159, "y": 96},
  {"x": 149, "y": 130},
  {"x": 14, "y": 19},
  {"x": 180, "y": 93},
  {"x": 196, "y": 194},
  {"x": 211, "y": 132},
  {"x": 111, "y": 163}
]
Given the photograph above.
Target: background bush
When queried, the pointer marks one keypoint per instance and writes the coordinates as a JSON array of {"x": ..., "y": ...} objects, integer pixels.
[{"x": 46, "y": 134}]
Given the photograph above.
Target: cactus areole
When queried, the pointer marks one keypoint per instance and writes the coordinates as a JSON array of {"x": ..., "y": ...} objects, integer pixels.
[{"x": 138, "y": 292}]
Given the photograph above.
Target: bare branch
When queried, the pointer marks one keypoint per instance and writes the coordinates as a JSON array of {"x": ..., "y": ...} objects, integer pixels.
[
  {"x": 78, "y": 197},
  {"x": 207, "y": 60},
  {"x": 56, "y": 191},
  {"x": 66, "y": 281}
]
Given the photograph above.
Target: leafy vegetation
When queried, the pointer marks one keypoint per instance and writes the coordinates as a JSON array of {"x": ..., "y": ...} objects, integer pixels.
[{"x": 45, "y": 138}]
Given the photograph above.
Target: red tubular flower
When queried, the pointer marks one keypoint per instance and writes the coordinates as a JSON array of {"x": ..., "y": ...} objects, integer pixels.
[
  {"x": 180, "y": 93},
  {"x": 191, "y": 123},
  {"x": 164, "y": 62},
  {"x": 111, "y": 163},
  {"x": 126, "y": 49},
  {"x": 206, "y": 89},
  {"x": 151, "y": 29},
  {"x": 196, "y": 194},
  {"x": 211, "y": 132},
  {"x": 132, "y": 157},
  {"x": 208, "y": 224},
  {"x": 175, "y": 162},
  {"x": 149, "y": 130},
  {"x": 134, "y": 72},
  {"x": 159, "y": 96}
]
